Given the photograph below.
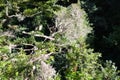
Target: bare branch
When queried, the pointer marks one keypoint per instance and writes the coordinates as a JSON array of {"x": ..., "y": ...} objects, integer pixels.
[
  {"x": 7, "y": 33},
  {"x": 42, "y": 57},
  {"x": 38, "y": 35},
  {"x": 35, "y": 14},
  {"x": 19, "y": 16},
  {"x": 6, "y": 12}
]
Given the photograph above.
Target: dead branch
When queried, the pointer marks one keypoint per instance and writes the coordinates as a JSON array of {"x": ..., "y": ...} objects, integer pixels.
[
  {"x": 7, "y": 33},
  {"x": 19, "y": 16},
  {"x": 38, "y": 35},
  {"x": 35, "y": 14},
  {"x": 42, "y": 57}
]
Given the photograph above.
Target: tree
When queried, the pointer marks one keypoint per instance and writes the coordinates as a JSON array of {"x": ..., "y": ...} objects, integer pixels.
[{"x": 46, "y": 41}]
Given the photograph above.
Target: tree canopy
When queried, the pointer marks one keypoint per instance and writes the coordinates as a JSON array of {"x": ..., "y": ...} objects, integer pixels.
[{"x": 59, "y": 40}]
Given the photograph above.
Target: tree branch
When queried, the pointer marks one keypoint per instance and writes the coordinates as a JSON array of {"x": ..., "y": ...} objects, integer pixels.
[
  {"x": 38, "y": 35},
  {"x": 42, "y": 57}
]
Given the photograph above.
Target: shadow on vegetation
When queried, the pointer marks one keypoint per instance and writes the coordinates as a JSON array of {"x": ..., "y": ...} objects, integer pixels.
[
  {"x": 61, "y": 63},
  {"x": 104, "y": 15}
]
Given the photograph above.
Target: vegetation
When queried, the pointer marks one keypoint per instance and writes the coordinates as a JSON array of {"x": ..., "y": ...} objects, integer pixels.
[
  {"x": 106, "y": 26},
  {"x": 54, "y": 40}
]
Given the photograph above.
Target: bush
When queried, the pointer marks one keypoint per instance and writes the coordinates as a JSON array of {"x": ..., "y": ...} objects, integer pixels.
[
  {"x": 49, "y": 58},
  {"x": 84, "y": 64}
]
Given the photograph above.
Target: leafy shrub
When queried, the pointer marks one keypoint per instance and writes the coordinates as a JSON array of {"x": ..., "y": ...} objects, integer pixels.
[
  {"x": 84, "y": 64},
  {"x": 21, "y": 66},
  {"x": 72, "y": 61}
]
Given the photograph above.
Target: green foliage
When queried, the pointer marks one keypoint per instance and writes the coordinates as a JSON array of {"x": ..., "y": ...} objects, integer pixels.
[
  {"x": 26, "y": 23},
  {"x": 21, "y": 66},
  {"x": 113, "y": 38},
  {"x": 27, "y": 14},
  {"x": 85, "y": 65},
  {"x": 16, "y": 67},
  {"x": 18, "y": 16},
  {"x": 105, "y": 18}
]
